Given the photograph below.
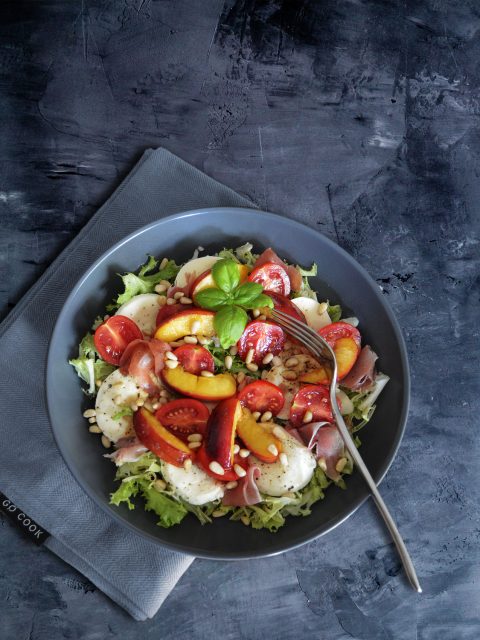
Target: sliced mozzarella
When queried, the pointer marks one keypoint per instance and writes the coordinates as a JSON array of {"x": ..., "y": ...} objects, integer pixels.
[
  {"x": 276, "y": 479},
  {"x": 310, "y": 309},
  {"x": 194, "y": 485},
  {"x": 193, "y": 268},
  {"x": 116, "y": 391},
  {"x": 142, "y": 309}
]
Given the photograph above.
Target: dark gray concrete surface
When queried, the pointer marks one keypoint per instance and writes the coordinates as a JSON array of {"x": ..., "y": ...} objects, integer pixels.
[{"x": 359, "y": 118}]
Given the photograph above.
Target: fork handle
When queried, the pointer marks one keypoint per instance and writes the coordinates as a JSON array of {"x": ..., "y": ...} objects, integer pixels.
[{"x": 381, "y": 506}]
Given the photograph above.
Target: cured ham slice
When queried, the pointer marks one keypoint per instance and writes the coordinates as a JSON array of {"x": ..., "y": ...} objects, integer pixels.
[
  {"x": 325, "y": 441},
  {"x": 246, "y": 492},
  {"x": 363, "y": 373},
  {"x": 269, "y": 255},
  {"x": 143, "y": 360},
  {"x": 128, "y": 450}
]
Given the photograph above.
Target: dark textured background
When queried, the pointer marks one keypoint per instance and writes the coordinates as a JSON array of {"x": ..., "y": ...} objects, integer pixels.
[{"x": 361, "y": 116}]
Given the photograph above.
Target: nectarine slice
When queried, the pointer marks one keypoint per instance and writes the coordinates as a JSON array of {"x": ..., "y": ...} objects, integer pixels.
[
  {"x": 159, "y": 440},
  {"x": 217, "y": 387},
  {"x": 183, "y": 323},
  {"x": 346, "y": 352},
  {"x": 258, "y": 437},
  {"x": 221, "y": 427}
]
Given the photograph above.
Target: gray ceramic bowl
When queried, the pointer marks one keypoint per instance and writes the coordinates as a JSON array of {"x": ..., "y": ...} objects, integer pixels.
[{"x": 340, "y": 279}]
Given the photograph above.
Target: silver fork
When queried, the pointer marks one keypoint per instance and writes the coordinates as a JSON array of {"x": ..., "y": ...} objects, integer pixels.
[{"x": 322, "y": 351}]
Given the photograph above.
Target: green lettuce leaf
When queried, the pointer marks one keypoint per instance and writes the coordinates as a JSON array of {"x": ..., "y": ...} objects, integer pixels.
[
  {"x": 308, "y": 272},
  {"x": 124, "y": 493},
  {"x": 168, "y": 510},
  {"x": 145, "y": 281},
  {"x": 124, "y": 411},
  {"x": 335, "y": 312},
  {"x": 89, "y": 366}
]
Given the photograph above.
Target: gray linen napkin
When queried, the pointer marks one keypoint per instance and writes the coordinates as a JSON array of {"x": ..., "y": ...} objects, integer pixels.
[{"x": 134, "y": 572}]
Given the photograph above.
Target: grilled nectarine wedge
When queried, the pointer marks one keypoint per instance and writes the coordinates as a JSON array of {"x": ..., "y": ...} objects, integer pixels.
[
  {"x": 258, "y": 437},
  {"x": 217, "y": 387},
  {"x": 159, "y": 440},
  {"x": 221, "y": 428},
  {"x": 183, "y": 323},
  {"x": 346, "y": 352}
]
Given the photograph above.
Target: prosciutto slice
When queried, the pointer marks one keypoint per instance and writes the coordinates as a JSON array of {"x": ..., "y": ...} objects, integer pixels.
[
  {"x": 325, "y": 441},
  {"x": 362, "y": 374},
  {"x": 246, "y": 492},
  {"x": 128, "y": 450},
  {"x": 269, "y": 255},
  {"x": 143, "y": 360}
]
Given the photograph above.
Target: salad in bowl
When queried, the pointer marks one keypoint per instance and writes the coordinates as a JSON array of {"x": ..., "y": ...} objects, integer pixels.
[{"x": 207, "y": 406}]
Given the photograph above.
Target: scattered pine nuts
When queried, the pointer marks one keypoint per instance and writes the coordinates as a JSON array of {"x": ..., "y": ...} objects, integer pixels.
[
  {"x": 231, "y": 485},
  {"x": 322, "y": 307},
  {"x": 233, "y": 350},
  {"x": 159, "y": 485},
  {"x": 215, "y": 467},
  {"x": 171, "y": 364},
  {"x": 283, "y": 459},
  {"x": 307, "y": 416},
  {"x": 160, "y": 288},
  {"x": 207, "y": 374},
  {"x": 218, "y": 513},
  {"x": 278, "y": 432},
  {"x": 178, "y": 294},
  {"x": 240, "y": 471},
  {"x": 240, "y": 377},
  {"x": 268, "y": 358},
  {"x": 170, "y": 356},
  {"x": 236, "y": 448},
  {"x": 106, "y": 442},
  {"x": 251, "y": 366},
  {"x": 244, "y": 453},
  {"x": 190, "y": 340},
  {"x": 341, "y": 465},
  {"x": 185, "y": 300},
  {"x": 256, "y": 313},
  {"x": 196, "y": 326},
  {"x": 92, "y": 420},
  {"x": 276, "y": 361},
  {"x": 289, "y": 375},
  {"x": 166, "y": 283},
  {"x": 187, "y": 465},
  {"x": 155, "y": 405},
  {"x": 163, "y": 264},
  {"x": 164, "y": 393},
  {"x": 89, "y": 413},
  {"x": 228, "y": 362},
  {"x": 171, "y": 301},
  {"x": 194, "y": 445},
  {"x": 291, "y": 362},
  {"x": 288, "y": 345},
  {"x": 256, "y": 415},
  {"x": 250, "y": 354},
  {"x": 273, "y": 449},
  {"x": 195, "y": 437},
  {"x": 203, "y": 340},
  {"x": 177, "y": 343},
  {"x": 94, "y": 428},
  {"x": 262, "y": 317},
  {"x": 162, "y": 300},
  {"x": 266, "y": 416},
  {"x": 322, "y": 464},
  {"x": 245, "y": 520}
]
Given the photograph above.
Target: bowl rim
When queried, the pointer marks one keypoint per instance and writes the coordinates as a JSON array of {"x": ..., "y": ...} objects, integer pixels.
[{"x": 304, "y": 539}]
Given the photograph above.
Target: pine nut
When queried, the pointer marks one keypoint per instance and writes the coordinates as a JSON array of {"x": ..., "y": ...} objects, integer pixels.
[
  {"x": 322, "y": 307},
  {"x": 283, "y": 459},
  {"x": 176, "y": 343},
  {"x": 268, "y": 358},
  {"x": 178, "y": 294},
  {"x": 159, "y": 485},
  {"x": 162, "y": 300},
  {"x": 187, "y": 465},
  {"x": 288, "y": 345},
  {"x": 231, "y": 485},
  {"x": 160, "y": 288},
  {"x": 256, "y": 415},
  {"x": 289, "y": 375},
  {"x": 278, "y": 432},
  {"x": 190, "y": 340},
  {"x": 164, "y": 393},
  {"x": 215, "y": 467},
  {"x": 163, "y": 401},
  {"x": 341, "y": 465},
  {"x": 94, "y": 428},
  {"x": 322, "y": 464},
  {"x": 196, "y": 326},
  {"x": 291, "y": 362},
  {"x": 262, "y": 317},
  {"x": 228, "y": 362},
  {"x": 233, "y": 350},
  {"x": 256, "y": 313},
  {"x": 106, "y": 442},
  {"x": 92, "y": 420},
  {"x": 250, "y": 354},
  {"x": 155, "y": 405},
  {"x": 171, "y": 301},
  {"x": 276, "y": 361},
  {"x": 195, "y": 437},
  {"x": 166, "y": 283},
  {"x": 240, "y": 377},
  {"x": 185, "y": 300},
  {"x": 203, "y": 340},
  {"x": 218, "y": 513},
  {"x": 266, "y": 416},
  {"x": 251, "y": 366},
  {"x": 244, "y": 453},
  {"x": 194, "y": 445},
  {"x": 207, "y": 374},
  {"x": 273, "y": 449},
  {"x": 140, "y": 402},
  {"x": 307, "y": 417},
  {"x": 236, "y": 449},
  {"x": 245, "y": 520},
  {"x": 171, "y": 364},
  {"x": 98, "y": 383},
  {"x": 289, "y": 494},
  {"x": 240, "y": 471},
  {"x": 89, "y": 413},
  {"x": 170, "y": 356},
  {"x": 163, "y": 264}
]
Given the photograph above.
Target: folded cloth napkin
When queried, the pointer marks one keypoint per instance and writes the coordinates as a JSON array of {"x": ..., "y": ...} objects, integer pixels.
[{"x": 134, "y": 572}]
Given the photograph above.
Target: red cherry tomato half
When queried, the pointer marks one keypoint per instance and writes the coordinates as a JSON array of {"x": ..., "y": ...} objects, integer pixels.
[
  {"x": 263, "y": 338},
  {"x": 169, "y": 310},
  {"x": 183, "y": 417},
  {"x": 333, "y": 332},
  {"x": 273, "y": 277},
  {"x": 113, "y": 336},
  {"x": 195, "y": 358},
  {"x": 314, "y": 398},
  {"x": 203, "y": 461},
  {"x": 262, "y": 396}
]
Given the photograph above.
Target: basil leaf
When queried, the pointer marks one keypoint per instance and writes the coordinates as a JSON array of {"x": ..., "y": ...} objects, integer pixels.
[
  {"x": 247, "y": 292},
  {"x": 211, "y": 298},
  {"x": 229, "y": 323},
  {"x": 226, "y": 275},
  {"x": 260, "y": 301}
]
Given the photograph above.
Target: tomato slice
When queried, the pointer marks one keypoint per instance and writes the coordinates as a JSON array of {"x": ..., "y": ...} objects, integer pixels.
[
  {"x": 183, "y": 417},
  {"x": 195, "y": 358},
  {"x": 333, "y": 332},
  {"x": 314, "y": 398},
  {"x": 262, "y": 337},
  {"x": 273, "y": 277},
  {"x": 262, "y": 396},
  {"x": 169, "y": 310},
  {"x": 113, "y": 336},
  {"x": 282, "y": 303},
  {"x": 203, "y": 461}
]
